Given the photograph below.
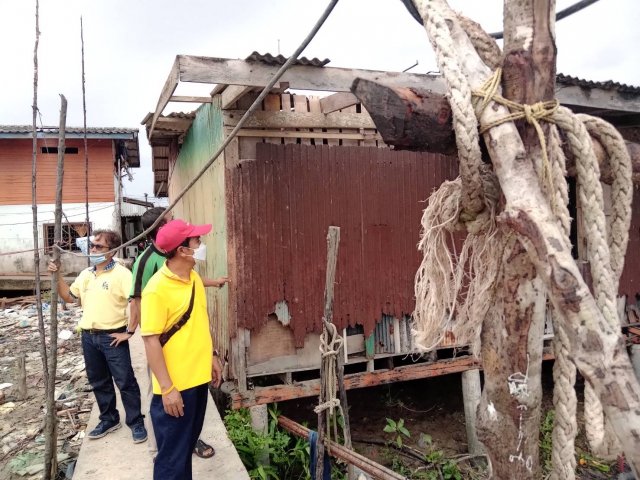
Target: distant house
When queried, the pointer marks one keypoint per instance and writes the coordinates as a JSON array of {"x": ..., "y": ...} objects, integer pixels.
[{"x": 105, "y": 147}]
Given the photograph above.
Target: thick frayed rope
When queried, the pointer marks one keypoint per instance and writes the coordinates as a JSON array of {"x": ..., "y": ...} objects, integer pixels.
[
  {"x": 447, "y": 283},
  {"x": 330, "y": 344}
]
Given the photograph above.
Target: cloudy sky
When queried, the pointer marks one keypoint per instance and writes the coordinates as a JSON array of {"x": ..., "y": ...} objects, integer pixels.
[{"x": 130, "y": 46}]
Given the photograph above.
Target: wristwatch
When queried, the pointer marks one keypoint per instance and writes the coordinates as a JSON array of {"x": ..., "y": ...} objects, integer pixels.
[{"x": 129, "y": 333}]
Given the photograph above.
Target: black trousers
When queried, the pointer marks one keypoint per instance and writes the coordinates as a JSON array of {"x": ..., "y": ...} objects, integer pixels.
[{"x": 177, "y": 436}]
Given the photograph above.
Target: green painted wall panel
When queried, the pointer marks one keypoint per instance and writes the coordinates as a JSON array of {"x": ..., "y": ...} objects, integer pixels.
[{"x": 205, "y": 203}]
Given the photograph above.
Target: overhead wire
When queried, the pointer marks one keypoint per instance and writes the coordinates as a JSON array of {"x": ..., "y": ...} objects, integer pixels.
[{"x": 257, "y": 102}]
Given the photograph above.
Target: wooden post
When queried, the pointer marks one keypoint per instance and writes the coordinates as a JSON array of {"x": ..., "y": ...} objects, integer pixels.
[
  {"x": 34, "y": 207},
  {"x": 333, "y": 240},
  {"x": 22, "y": 377},
  {"x": 50, "y": 449},
  {"x": 86, "y": 149},
  {"x": 471, "y": 393}
]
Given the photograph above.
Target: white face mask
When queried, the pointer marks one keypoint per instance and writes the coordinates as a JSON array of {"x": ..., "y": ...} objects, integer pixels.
[{"x": 200, "y": 253}]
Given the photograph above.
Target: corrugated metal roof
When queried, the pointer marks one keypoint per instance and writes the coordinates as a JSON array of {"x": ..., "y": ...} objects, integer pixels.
[
  {"x": 607, "y": 85},
  {"x": 280, "y": 60},
  {"x": 132, "y": 210},
  {"x": 54, "y": 130}
]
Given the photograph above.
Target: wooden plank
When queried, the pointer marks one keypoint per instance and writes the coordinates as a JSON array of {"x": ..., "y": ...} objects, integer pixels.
[
  {"x": 346, "y": 141},
  {"x": 271, "y": 106},
  {"x": 167, "y": 92},
  {"x": 307, "y": 135},
  {"x": 286, "y": 112},
  {"x": 338, "y": 101},
  {"x": 300, "y": 105},
  {"x": 232, "y": 94},
  {"x": 238, "y": 72},
  {"x": 219, "y": 88},
  {"x": 314, "y": 108},
  {"x": 310, "y": 388},
  {"x": 356, "y": 344},
  {"x": 292, "y": 119},
  {"x": 239, "y": 360},
  {"x": 177, "y": 98}
]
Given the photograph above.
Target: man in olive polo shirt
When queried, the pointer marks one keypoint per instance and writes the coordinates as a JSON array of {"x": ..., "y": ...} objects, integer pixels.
[
  {"x": 181, "y": 358},
  {"x": 104, "y": 290}
]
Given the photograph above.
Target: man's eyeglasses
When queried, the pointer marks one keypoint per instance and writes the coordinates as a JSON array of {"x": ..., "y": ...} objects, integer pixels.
[{"x": 100, "y": 248}]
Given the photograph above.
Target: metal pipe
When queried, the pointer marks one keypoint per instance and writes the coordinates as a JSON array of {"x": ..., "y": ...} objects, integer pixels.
[{"x": 363, "y": 463}]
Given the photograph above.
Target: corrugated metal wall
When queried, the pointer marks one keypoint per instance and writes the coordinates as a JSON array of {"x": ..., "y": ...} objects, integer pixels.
[
  {"x": 284, "y": 203},
  {"x": 630, "y": 279},
  {"x": 205, "y": 203}
]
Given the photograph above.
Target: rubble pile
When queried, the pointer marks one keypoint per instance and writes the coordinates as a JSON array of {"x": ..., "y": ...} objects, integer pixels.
[{"x": 22, "y": 421}]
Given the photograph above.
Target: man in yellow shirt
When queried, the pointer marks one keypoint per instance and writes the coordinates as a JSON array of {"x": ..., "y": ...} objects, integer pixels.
[
  {"x": 103, "y": 291},
  {"x": 175, "y": 328}
]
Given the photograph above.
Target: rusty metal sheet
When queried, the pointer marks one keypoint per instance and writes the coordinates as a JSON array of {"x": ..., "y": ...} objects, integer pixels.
[
  {"x": 285, "y": 201},
  {"x": 630, "y": 279}
]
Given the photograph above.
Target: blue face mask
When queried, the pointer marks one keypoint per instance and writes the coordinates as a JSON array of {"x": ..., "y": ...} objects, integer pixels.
[{"x": 97, "y": 259}]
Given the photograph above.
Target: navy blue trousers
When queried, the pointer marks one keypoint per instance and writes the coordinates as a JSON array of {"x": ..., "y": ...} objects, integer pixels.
[
  {"x": 106, "y": 364},
  {"x": 177, "y": 436}
]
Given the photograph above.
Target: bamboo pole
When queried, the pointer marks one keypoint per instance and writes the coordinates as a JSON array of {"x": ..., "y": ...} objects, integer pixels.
[
  {"x": 363, "y": 463},
  {"x": 50, "y": 449},
  {"x": 86, "y": 150},
  {"x": 333, "y": 240},
  {"x": 34, "y": 207}
]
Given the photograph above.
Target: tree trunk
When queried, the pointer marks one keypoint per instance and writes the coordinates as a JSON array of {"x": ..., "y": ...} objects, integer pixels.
[
  {"x": 509, "y": 412},
  {"x": 598, "y": 351},
  {"x": 402, "y": 115}
]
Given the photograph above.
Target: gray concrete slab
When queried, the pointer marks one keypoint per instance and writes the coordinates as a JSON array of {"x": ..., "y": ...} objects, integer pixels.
[{"x": 116, "y": 457}]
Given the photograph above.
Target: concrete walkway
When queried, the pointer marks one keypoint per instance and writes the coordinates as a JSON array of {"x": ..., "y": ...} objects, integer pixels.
[{"x": 116, "y": 457}]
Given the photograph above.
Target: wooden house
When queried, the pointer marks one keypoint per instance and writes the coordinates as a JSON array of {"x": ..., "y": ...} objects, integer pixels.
[
  {"x": 105, "y": 147},
  {"x": 299, "y": 165}
]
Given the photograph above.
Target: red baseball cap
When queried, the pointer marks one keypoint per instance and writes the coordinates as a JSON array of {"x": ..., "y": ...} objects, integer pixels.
[{"x": 173, "y": 233}]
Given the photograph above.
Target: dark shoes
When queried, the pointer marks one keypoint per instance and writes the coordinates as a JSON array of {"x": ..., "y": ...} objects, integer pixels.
[
  {"x": 103, "y": 429},
  {"x": 139, "y": 433}
]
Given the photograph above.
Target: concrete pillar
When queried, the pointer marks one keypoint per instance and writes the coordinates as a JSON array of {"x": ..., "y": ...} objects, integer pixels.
[
  {"x": 260, "y": 423},
  {"x": 635, "y": 360},
  {"x": 471, "y": 392}
]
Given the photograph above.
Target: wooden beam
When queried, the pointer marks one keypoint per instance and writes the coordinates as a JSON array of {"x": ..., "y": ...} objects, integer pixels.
[
  {"x": 403, "y": 115},
  {"x": 218, "y": 89},
  {"x": 400, "y": 114},
  {"x": 232, "y": 94},
  {"x": 283, "y": 119},
  {"x": 338, "y": 101},
  {"x": 261, "y": 395},
  {"x": 238, "y": 72},
  {"x": 276, "y": 134},
  {"x": 176, "y": 98},
  {"x": 167, "y": 92}
]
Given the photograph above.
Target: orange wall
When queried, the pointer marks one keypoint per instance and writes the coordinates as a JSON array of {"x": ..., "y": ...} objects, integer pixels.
[{"x": 16, "y": 163}]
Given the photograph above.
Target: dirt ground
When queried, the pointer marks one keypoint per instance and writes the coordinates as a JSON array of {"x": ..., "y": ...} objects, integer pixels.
[
  {"x": 431, "y": 406},
  {"x": 21, "y": 422}
]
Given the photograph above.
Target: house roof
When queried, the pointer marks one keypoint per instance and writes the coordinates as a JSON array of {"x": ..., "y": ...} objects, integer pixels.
[
  {"x": 126, "y": 138},
  {"x": 113, "y": 132},
  {"x": 606, "y": 85}
]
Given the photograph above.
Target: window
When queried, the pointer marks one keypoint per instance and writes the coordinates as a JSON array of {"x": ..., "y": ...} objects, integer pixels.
[
  {"x": 70, "y": 231},
  {"x": 54, "y": 150}
]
